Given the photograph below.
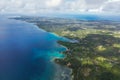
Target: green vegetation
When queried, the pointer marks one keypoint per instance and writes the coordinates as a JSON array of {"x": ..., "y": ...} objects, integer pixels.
[{"x": 95, "y": 55}]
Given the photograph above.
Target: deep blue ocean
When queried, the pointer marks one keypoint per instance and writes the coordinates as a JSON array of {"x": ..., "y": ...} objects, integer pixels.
[{"x": 26, "y": 52}]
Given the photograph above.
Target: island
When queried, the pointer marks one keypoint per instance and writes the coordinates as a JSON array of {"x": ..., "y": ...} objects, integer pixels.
[{"x": 93, "y": 52}]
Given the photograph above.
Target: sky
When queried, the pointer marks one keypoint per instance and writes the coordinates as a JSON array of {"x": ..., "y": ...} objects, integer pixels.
[{"x": 59, "y": 6}]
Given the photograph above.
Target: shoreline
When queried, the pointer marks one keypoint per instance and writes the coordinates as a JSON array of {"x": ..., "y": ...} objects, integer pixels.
[
  {"x": 66, "y": 71},
  {"x": 90, "y": 49},
  {"x": 62, "y": 72}
]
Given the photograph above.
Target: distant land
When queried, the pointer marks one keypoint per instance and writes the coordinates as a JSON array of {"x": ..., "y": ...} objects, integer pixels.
[{"x": 94, "y": 50}]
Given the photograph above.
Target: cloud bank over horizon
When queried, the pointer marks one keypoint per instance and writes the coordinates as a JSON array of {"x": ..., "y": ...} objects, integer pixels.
[{"x": 60, "y": 6}]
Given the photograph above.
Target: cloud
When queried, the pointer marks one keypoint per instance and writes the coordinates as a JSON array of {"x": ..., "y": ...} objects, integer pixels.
[
  {"x": 53, "y": 3},
  {"x": 94, "y": 4},
  {"x": 112, "y": 6},
  {"x": 46, "y": 6}
]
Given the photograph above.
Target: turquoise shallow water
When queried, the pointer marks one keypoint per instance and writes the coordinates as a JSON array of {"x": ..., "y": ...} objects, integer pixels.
[{"x": 26, "y": 52}]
